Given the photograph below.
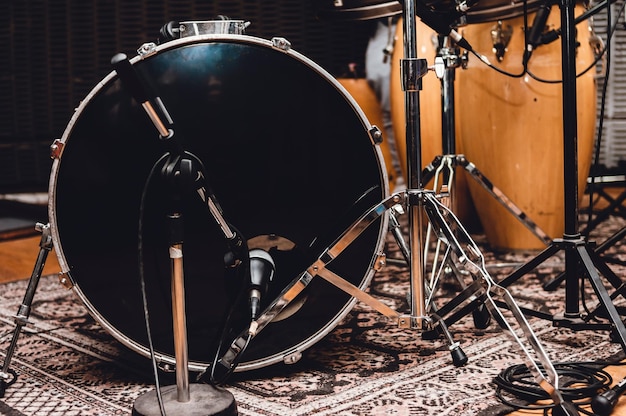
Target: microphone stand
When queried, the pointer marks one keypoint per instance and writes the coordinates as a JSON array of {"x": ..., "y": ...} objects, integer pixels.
[
  {"x": 183, "y": 173},
  {"x": 581, "y": 260}
]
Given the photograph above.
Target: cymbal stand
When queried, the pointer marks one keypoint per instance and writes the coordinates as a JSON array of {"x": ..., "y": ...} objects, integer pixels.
[
  {"x": 417, "y": 201},
  {"x": 581, "y": 260},
  {"x": 7, "y": 375}
]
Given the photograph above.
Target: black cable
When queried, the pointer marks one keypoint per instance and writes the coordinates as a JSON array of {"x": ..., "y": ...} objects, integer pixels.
[
  {"x": 526, "y": 71},
  {"x": 142, "y": 282},
  {"x": 580, "y": 382},
  {"x": 605, "y": 50}
]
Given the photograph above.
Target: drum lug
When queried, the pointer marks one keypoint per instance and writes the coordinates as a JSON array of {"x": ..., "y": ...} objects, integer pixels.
[
  {"x": 147, "y": 49},
  {"x": 380, "y": 261},
  {"x": 501, "y": 36},
  {"x": 281, "y": 44},
  {"x": 56, "y": 148},
  {"x": 292, "y": 357},
  {"x": 376, "y": 135},
  {"x": 65, "y": 280},
  {"x": 166, "y": 367}
]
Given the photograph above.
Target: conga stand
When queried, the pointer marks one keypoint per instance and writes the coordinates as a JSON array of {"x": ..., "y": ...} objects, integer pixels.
[
  {"x": 183, "y": 173},
  {"x": 581, "y": 261}
]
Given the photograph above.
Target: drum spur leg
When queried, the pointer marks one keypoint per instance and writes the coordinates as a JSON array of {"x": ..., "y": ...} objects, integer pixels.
[
  {"x": 468, "y": 254},
  {"x": 7, "y": 375}
]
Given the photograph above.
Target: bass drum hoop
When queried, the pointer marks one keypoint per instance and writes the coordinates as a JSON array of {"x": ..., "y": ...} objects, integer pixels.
[{"x": 66, "y": 269}]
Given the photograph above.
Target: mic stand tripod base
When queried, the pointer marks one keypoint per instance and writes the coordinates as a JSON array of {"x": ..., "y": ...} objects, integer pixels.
[{"x": 204, "y": 400}]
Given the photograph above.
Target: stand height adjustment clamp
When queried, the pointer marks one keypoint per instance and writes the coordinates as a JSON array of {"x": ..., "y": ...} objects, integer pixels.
[{"x": 413, "y": 70}]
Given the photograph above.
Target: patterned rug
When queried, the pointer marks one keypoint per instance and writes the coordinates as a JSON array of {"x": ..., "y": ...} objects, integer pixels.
[{"x": 68, "y": 365}]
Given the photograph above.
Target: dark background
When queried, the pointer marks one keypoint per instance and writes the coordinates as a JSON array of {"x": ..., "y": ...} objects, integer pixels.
[{"x": 56, "y": 51}]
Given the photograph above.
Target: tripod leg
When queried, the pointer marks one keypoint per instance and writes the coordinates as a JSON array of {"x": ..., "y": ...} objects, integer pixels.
[
  {"x": 8, "y": 376},
  {"x": 618, "y": 326}
]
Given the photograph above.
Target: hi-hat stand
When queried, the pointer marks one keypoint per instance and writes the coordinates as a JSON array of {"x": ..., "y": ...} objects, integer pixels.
[
  {"x": 460, "y": 250},
  {"x": 581, "y": 260}
]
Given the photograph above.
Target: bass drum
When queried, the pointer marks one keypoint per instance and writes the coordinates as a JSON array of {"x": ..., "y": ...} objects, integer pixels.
[
  {"x": 289, "y": 157},
  {"x": 512, "y": 129}
]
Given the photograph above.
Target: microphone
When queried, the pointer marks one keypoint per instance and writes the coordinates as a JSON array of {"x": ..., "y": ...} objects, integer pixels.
[
  {"x": 133, "y": 83},
  {"x": 168, "y": 32},
  {"x": 603, "y": 404},
  {"x": 534, "y": 36},
  {"x": 262, "y": 270}
]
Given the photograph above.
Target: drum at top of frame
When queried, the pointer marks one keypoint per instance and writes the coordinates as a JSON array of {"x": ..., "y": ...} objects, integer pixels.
[
  {"x": 289, "y": 157},
  {"x": 483, "y": 10},
  {"x": 512, "y": 129},
  {"x": 477, "y": 12}
]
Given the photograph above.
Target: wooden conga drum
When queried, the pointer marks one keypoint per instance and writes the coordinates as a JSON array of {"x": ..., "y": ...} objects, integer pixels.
[{"x": 512, "y": 129}]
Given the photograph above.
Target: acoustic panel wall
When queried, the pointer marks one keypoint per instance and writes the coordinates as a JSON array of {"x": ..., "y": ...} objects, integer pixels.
[
  {"x": 613, "y": 137},
  {"x": 55, "y": 52}
]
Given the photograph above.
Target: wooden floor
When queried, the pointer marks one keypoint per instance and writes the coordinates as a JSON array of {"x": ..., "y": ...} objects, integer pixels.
[{"x": 18, "y": 257}]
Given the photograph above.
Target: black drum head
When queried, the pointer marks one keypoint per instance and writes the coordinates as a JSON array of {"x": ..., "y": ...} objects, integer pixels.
[{"x": 288, "y": 158}]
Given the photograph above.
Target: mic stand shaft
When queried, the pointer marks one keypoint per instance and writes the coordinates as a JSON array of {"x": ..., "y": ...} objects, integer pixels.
[{"x": 179, "y": 318}]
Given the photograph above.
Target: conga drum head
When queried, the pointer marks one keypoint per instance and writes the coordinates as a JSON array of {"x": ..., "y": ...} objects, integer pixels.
[{"x": 288, "y": 155}]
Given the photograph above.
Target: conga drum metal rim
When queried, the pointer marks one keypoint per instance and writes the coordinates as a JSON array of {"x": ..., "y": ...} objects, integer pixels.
[
  {"x": 289, "y": 156},
  {"x": 357, "y": 9}
]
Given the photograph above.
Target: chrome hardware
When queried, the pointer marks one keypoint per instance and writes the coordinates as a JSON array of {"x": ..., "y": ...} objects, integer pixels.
[
  {"x": 501, "y": 36},
  {"x": 147, "y": 49},
  {"x": 65, "y": 280},
  {"x": 281, "y": 43},
  {"x": 380, "y": 262},
  {"x": 56, "y": 148},
  {"x": 292, "y": 358},
  {"x": 376, "y": 135}
]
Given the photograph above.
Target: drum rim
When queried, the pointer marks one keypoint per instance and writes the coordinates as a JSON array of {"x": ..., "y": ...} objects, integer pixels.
[{"x": 164, "y": 358}]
